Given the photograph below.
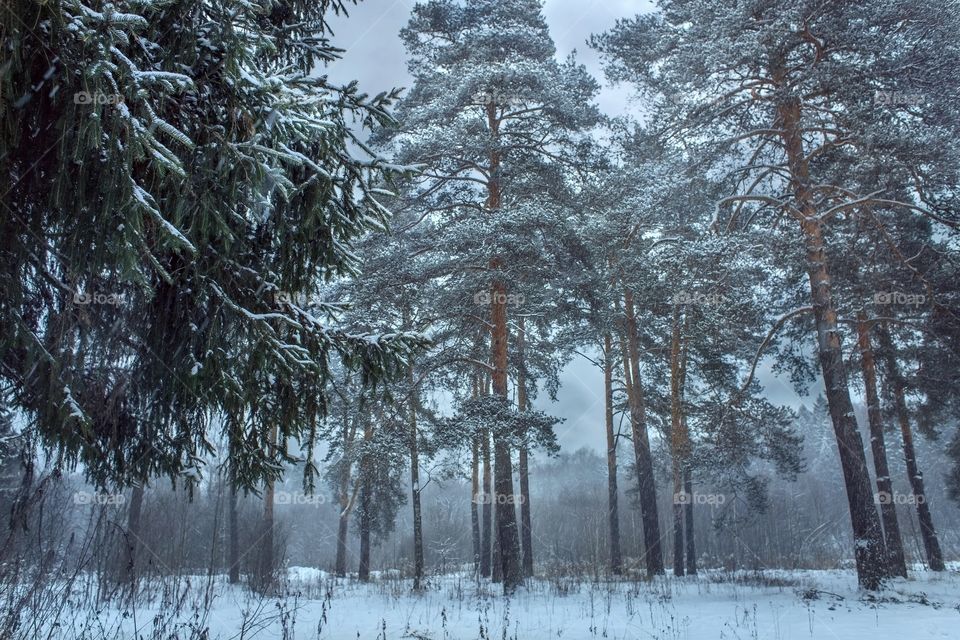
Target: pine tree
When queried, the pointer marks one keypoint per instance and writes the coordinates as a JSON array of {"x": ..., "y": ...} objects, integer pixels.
[
  {"x": 776, "y": 96},
  {"x": 195, "y": 181},
  {"x": 495, "y": 118}
]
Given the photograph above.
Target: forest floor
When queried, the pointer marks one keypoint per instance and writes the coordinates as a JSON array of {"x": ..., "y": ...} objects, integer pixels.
[{"x": 765, "y": 605}]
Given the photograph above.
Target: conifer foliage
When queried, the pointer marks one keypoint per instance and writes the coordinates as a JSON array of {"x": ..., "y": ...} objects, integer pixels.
[{"x": 177, "y": 183}]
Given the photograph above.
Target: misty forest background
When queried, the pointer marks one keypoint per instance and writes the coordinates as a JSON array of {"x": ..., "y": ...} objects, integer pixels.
[{"x": 252, "y": 318}]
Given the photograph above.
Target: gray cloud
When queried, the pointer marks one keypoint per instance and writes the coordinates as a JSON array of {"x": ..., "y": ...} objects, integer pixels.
[{"x": 375, "y": 56}]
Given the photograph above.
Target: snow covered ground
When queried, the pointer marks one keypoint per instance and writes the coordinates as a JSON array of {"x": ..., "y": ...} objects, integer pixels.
[{"x": 772, "y": 605}]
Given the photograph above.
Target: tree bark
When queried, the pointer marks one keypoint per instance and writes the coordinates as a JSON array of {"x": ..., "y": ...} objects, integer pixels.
[
  {"x": 345, "y": 497},
  {"x": 345, "y": 501},
  {"x": 340, "y": 567},
  {"x": 415, "y": 489},
  {"x": 507, "y": 534},
  {"x": 506, "y": 518},
  {"x": 613, "y": 513},
  {"x": 267, "y": 562},
  {"x": 867, "y": 533},
  {"x": 526, "y": 532},
  {"x": 647, "y": 490},
  {"x": 496, "y": 568},
  {"x": 931, "y": 544},
  {"x": 131, "y": 543},
  {"x": 897, "y": 564},
  {"x": 868, "y": 539},
  {"x": 366, "y": 504},
  {"x": 486, "y": 545},
  {"x": 677, "y": 445},
  {"x": 474, "y": 499},
  {"x": 508, "y": 540},
  {"x": 363, "y": 568},
  {"x": 688, "y": 520},
  {"x": 678, "y": 506},
  {"x": 234, "y": 524}
]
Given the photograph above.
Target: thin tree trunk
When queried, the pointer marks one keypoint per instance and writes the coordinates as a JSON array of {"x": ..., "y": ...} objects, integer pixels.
[
  {"x": 363, "y": 568},
  {"x": 867, "y": 533},
  {"x": 486, "y": 545},
  {"x": 676, "y": 437},
  {"x": 234, "y": 524},
  {"x": 679, "y": 502},
  {"x": 688, "y": 519},
  {"x": 131, "y": 543},
  {"x": 496, "y": 564},
  {"x": 613, "y": 514},
  {"x": 267, "y": 561},
  {"x": 897, "y": 564},
  {"x": 216, "y": 551},
  {"x": 415, "y": 489},
  {"x": 346, "y": 498},
  {"x": 475, "y": 490},
  {"x": 345, "y": 503},
  {"x": 474, "y": 499},
  {"x": 687, "y": 455},
  {"x": 496, "y": 574},
  {"x": 266, "y": 540},
  {"x": 340, "y": 568},
  {"x": 679, "y": 444},
  {"x": 647, "y": 490},
  {"x": 526, "y": 532},
  {"x": 366, "y": 504},
  {"x": 931, "y": 544}
]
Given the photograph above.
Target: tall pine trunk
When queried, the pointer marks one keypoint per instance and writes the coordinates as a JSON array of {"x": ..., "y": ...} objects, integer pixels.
[
  {"x": 526, "y": 533},
  {"x": 486, "y": 544},
  {"x": 678, "y": 506},
  {"x": 507, "y": 534},
  {"x": 474, "y": 499},
  {"x": 496, "y": 564},
  {"x": 678, "y": 444},
  {"x": 688, "y": 520},
  {"x": 613, "y": 513},
  {"x": 496, "y": 568},
  {"x": 868, "y": 538},
  {"x": 646, "y": 485},
  {"x": 867, "y": 533},
  {"x": 931, "y": 544},
  {"x": 897, "y": 564},
  {"x": 415, "y": 488}
]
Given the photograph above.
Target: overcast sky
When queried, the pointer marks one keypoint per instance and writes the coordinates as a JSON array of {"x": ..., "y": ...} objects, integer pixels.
[{"x": 375, "y": 57}]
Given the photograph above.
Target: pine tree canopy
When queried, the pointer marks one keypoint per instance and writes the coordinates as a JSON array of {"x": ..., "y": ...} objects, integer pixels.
[{"x": 179, "y": 178}]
